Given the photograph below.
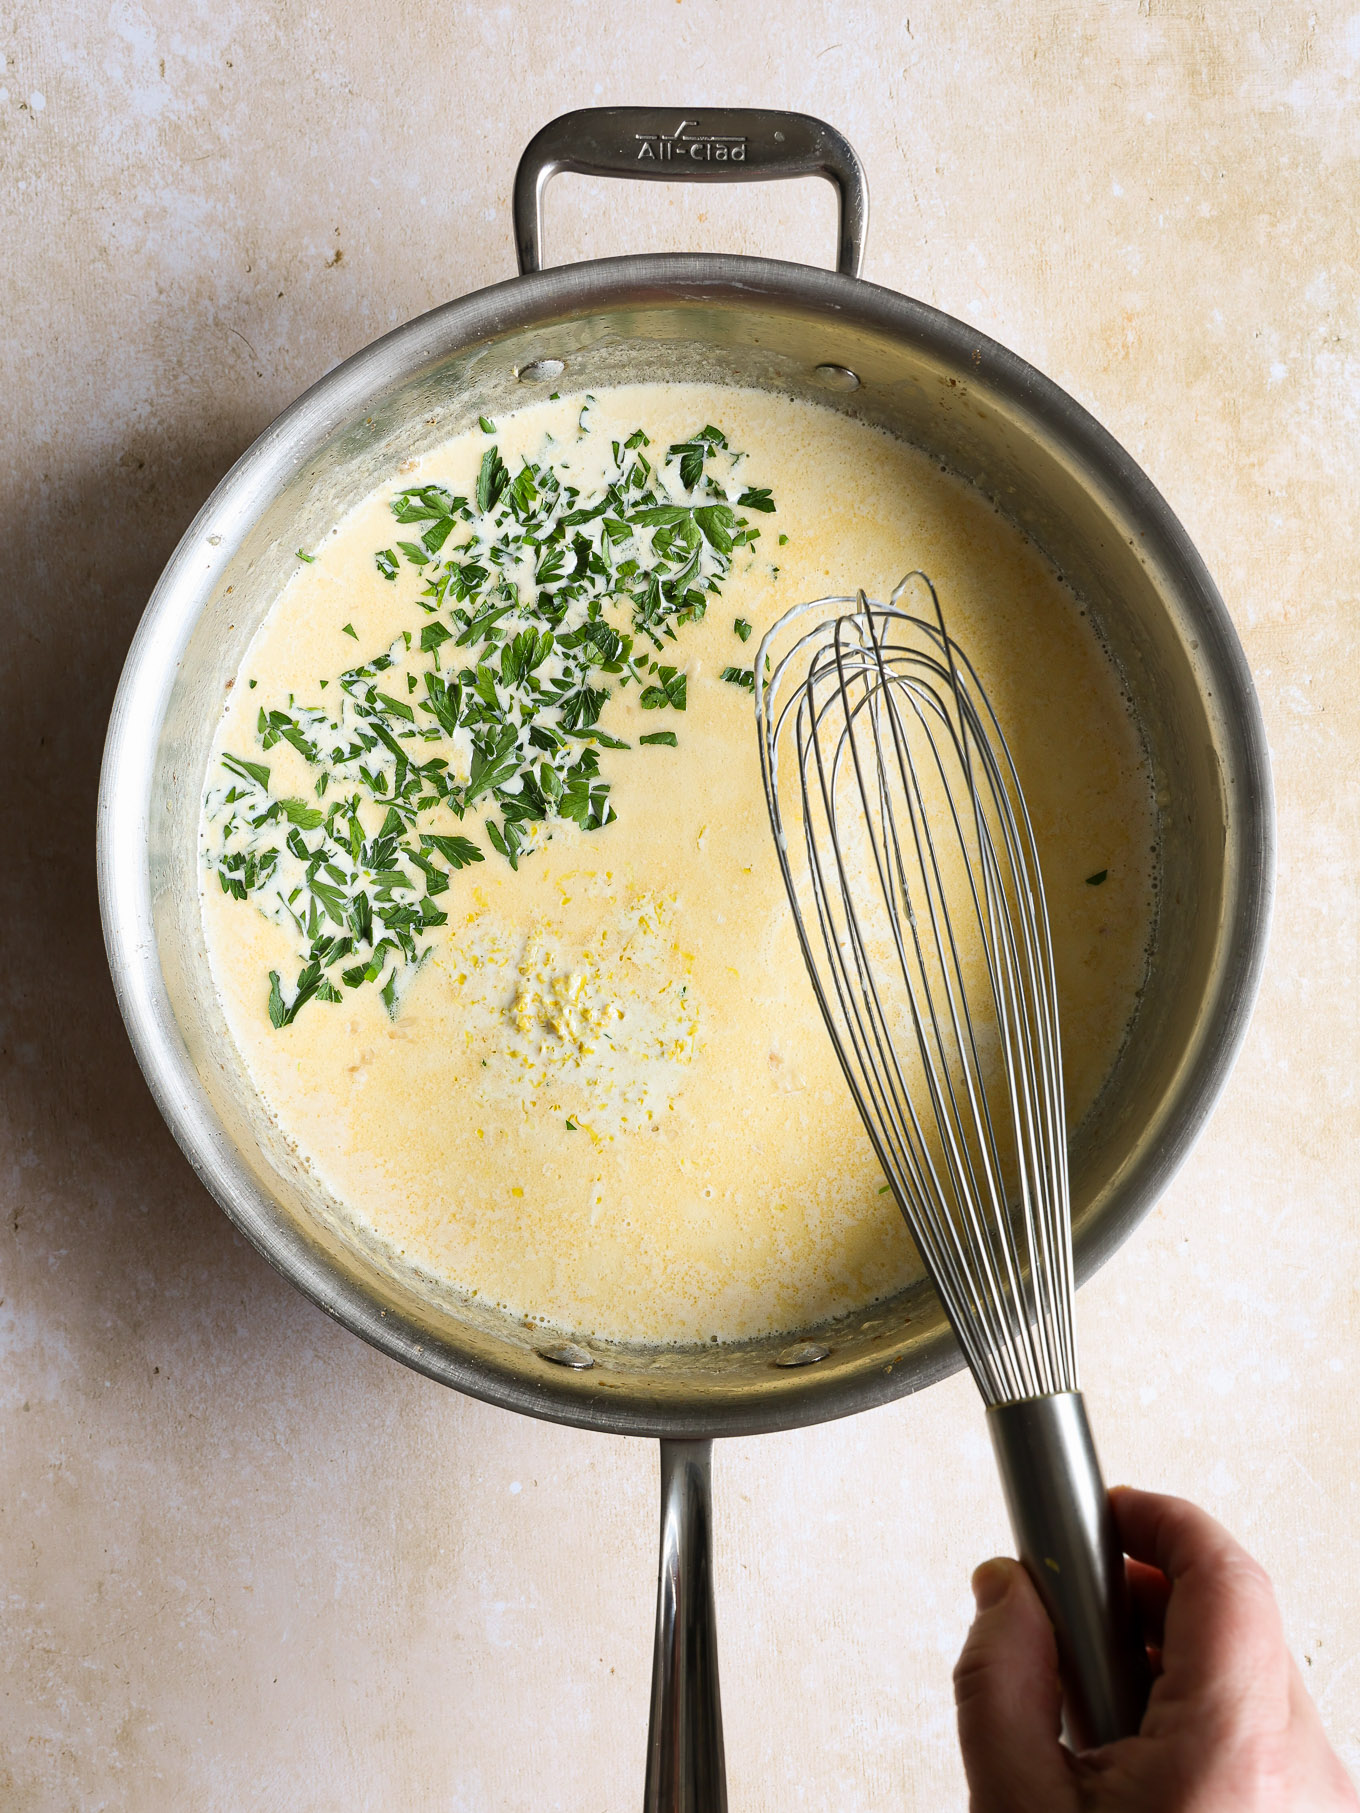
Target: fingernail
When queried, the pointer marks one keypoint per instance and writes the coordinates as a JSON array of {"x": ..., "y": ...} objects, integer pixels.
[{"x": 991, "y": 1583}]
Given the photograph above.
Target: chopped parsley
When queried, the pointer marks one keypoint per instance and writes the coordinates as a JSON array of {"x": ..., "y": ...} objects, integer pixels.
[
  {"x": 740, "y": 676},
  {"x": 742, "y": 628},
  {"x": 539, "y": 601},
  {"x": 671, "y": 688},
  {"x": 1094, "y": 881}
]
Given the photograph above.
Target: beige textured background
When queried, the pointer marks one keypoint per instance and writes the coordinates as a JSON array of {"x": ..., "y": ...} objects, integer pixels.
[{"x": 246, "y": 1563}]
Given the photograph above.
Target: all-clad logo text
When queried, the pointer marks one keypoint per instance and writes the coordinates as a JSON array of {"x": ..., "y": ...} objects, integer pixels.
[{"x": 688, "y": 142}]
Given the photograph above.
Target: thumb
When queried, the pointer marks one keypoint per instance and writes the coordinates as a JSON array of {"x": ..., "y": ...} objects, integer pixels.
[{"x": 1009, "y": 1699}]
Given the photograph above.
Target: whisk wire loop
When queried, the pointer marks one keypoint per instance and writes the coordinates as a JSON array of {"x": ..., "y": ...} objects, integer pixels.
[{"x": 910, "y": 863}]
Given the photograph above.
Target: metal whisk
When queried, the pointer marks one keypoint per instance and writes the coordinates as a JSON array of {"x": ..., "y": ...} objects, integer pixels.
[{"x": 914, "y": 880}]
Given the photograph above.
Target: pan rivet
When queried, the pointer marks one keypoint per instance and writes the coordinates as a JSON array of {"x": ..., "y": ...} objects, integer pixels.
[
  {"x": 803, "y": 1353},
  {"x": 837, "y": 377},
  {"x": 539, "y": 370},
  {"x": 567, "y": 1353}
]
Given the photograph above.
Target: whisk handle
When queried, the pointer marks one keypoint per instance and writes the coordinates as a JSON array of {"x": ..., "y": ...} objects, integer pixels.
[{"x": 1065, "y": 1531}]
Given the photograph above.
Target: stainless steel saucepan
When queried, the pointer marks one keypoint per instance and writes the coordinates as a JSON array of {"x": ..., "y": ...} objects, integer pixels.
[{"x": 887, "y": 360}]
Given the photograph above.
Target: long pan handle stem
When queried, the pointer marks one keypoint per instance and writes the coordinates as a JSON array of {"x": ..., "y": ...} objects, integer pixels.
[
  {"x": 686, "y": 1769},
  {"x": 1065, "y": 1531}
]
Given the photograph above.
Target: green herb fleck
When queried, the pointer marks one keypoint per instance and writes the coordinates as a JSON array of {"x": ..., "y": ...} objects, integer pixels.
[
  {"x": 1094, "y": 881},
  {"x": 457, "y": 852},
  {"x": 491, "y": 480},
  {"x": 348, "y": 629},
  {"x": 486, "y": 425},
  {"x": 309, "y": 558},
  {"x": 660, "y": 736},
  {"x": 671, "y": 688},
  {"x": 386, "y": 562},
  {"x": 310, "y": 983},
  {"x": 299, "y": 813},
  {"x": 742, "y": 629},
  {"x": 740, "y": 676},
  {"x": 253, "y": 771}
]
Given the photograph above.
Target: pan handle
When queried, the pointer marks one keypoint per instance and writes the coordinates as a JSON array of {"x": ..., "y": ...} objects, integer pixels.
[
  {"x": 704, "y": 145},
  {"x": 686, "y": 1770}
]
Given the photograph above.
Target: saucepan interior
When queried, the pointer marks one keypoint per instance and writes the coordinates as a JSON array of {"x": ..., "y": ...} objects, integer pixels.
[{"x": 930, "y": 380}]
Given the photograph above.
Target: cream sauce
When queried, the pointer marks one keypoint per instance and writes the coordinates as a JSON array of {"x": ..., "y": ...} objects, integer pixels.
[{"x": 607, "y": 1100}]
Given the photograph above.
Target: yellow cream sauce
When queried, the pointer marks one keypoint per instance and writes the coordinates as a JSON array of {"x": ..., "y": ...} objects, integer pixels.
[{"x": 607, "y": 1100}]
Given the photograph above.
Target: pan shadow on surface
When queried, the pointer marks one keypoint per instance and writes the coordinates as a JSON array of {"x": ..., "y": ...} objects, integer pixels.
[{"x": 111, "y": 1238}]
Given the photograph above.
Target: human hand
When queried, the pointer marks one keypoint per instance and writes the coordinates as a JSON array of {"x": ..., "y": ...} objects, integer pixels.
[{"x": 1229, "y": 1727}]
